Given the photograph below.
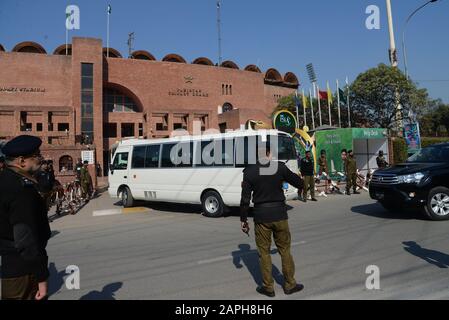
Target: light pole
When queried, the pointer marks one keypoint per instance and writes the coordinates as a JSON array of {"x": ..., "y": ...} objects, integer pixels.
[
  {"x": 405, "y": 29},
  {"x": 394, "y": 63}
]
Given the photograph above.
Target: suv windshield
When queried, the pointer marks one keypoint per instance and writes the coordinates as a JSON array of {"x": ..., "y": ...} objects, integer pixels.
[{"x": 431, "y": 154}]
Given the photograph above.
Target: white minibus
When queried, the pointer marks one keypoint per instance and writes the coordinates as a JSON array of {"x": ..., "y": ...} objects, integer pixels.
[{"x": 205, "y": 169}]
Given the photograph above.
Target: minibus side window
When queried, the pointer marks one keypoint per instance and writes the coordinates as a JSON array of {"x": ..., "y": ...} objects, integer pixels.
[
  {"x": 120, "y": 161},
  {"x": 138, "y": 158},
  {"x": 152, "y": 156}
]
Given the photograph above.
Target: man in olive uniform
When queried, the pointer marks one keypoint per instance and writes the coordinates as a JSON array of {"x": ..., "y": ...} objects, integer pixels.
[
  {"x": 308, "y": 174},
  {"x": 351, "y": 173},
  {"x": 24, "y": 228},
  {"x": 270, "y": 218},
  {"x": 322, "y": 163},
  {"x": 85, "y": 180},
  {"x": 380, "y": 159}
]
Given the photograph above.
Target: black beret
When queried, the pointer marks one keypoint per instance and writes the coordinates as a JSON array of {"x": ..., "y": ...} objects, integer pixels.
[{"x": 22, "y": 146}]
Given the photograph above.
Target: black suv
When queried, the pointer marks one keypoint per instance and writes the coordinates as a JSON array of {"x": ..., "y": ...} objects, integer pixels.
[{"x": 422, "y": 181}]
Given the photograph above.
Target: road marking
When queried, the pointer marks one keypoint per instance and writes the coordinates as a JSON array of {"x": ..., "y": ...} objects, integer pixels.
[
  {"x": 244, "y": 253},
  {"x": 135, "y": 210},
  {"x": 110, "y": 212}
]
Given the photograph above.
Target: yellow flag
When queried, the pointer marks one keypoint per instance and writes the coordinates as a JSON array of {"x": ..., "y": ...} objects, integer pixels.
[
  {"x": 329, "y": 94},
  {"x": 304, "y": 101}
]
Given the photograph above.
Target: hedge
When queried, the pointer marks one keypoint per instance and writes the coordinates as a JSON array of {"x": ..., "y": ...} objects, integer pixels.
[
  {"x": 400, "y": 146},
  {"x": 428, "y": 141}
]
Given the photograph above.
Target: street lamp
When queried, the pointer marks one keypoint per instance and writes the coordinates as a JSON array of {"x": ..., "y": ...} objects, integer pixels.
[{"x": 405, "y": 29}]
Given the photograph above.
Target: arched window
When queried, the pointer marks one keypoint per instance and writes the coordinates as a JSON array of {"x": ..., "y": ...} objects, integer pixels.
[
  {"x": 29, "y": 46},
  {"x": 203, "y": 61},
  {"x": 253, "y": 68},
  {"x": 61, "y": 50},
  {"x": 142, "y": 55},
  {"x": 65, "y": 164},
  {"x": 229, "y": 64},
  {"x": 112, "y": 53},
  {"x": 115, "y": 100},
  {"x": 227, "y": 107},
  {"x": 174, "y": 58},
  {"x": 273, "y": 76}
]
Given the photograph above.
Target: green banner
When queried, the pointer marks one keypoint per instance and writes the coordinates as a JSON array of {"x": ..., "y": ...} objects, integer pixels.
[{"x": 333, "y": 141}]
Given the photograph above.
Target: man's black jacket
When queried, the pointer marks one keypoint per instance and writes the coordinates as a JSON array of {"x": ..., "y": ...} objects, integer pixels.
[
  {"x": 24, "y": 225},
  {"x": 267, "y": 192},
  {"x": 307, "y": 167}
]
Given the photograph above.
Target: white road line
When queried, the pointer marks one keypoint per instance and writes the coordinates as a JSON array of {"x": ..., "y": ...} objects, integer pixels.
[
  {"x": 106, "y": 212},
  {"x": 230, "y": 257}
]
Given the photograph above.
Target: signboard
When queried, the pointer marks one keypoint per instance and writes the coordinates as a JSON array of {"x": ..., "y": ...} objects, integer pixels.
[
  {"x": 88, "y": 155},
  {"x": 285, "y": 121},
  {"x": 412, "y": 137},
  {"x": 369, "y": 133}
]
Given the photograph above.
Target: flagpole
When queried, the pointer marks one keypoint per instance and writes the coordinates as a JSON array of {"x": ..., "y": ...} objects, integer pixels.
[
  {"x": 319, "y": 103},
  {"x": 349, "y": 106},
  {"x": 304, "y": 108},
  {"x": 107, "y": 34},
  {"x": 338, "y": 102},
  {"x": 297, "y": 113},
  {"x": 66, "y": 38},
  {"x": 329, "y": 104},
  {"x": 311, "y": 109}
]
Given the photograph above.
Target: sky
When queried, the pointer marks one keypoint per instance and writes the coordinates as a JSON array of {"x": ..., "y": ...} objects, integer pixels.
[{"x": 283, "y": 34}]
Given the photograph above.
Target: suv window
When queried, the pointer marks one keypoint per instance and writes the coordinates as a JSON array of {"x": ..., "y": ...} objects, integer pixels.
[{"x": 431, "y": 154}]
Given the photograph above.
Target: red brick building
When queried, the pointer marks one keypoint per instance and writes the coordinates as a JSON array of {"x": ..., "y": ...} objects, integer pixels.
[{"x": 83, "y": 100}]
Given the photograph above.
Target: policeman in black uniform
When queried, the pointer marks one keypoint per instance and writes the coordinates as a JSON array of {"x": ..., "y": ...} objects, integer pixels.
[
  {"x": 270, "y": 218},
  {"x": 24, "y": 228}
]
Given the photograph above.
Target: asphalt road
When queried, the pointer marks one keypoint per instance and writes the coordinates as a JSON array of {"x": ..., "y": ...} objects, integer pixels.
[{"x": 168, "y": 251}]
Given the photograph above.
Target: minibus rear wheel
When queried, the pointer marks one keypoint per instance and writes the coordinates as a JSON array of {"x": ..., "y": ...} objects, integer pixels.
[{"x": 212, "y": 204}]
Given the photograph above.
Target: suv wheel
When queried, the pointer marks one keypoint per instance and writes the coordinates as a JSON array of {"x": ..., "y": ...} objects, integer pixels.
[
  {"x": 437, "y": 207},
  {"x": 212, "y": 204}
]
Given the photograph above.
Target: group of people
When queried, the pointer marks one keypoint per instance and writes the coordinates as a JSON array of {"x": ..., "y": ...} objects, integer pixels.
[{"x": 309, "y": 176}]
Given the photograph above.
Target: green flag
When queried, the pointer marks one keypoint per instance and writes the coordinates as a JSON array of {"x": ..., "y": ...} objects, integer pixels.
[{"x": 342, "y": 96}]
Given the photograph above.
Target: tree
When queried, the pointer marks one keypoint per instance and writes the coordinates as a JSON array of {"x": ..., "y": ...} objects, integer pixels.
[
  {"x": 374, "y": 97},
  {"x": 436, "y": 121}
]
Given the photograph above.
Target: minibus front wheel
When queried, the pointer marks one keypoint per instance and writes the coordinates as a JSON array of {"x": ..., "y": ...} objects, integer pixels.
[{"x": 126, "y": 196}]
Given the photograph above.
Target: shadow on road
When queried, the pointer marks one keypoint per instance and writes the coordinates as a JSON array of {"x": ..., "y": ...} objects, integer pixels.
[
  {"x": 56, "y": 279},
  {"x": 250, "y": 259},
  {"x": 186, "y": 208},
  {"x": 437, "y": 258},
  {"x": 107, "y": 293},
  {"x": 167, "y": 206},
  {"x": 377, "y": 211}
]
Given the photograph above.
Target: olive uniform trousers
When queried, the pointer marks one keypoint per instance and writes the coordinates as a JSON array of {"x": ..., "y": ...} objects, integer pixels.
[{"x": 282, "y": 238}]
